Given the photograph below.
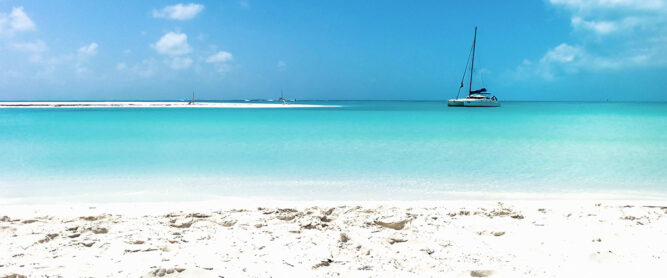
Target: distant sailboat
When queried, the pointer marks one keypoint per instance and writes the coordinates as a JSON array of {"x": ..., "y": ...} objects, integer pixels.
[
  {"x": 475, "y": 98},
  {"x": 192, "y": 101},
  {"x": 282, "y": 98}
]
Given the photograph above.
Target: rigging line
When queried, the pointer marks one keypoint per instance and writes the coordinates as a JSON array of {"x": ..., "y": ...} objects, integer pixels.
[{"x": 464, "y": 73}]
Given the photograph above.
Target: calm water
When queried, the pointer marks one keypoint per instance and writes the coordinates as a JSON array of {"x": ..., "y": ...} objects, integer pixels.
[{"x": 362, "y": 150}]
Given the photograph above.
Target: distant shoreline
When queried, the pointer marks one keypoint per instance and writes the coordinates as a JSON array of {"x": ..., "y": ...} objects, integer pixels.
[{"x": 160, "y": 104}]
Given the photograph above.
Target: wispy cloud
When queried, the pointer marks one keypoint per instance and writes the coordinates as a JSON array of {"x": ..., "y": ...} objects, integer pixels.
[
  {"x": 173, "y": 44},
  {"x": 220, "y": 61},
  {"x": 50, "y": 65},
  {"x": 179, "y": 63},
  {"x": 608, "y": 35},
  {"x": 147, "y": 68},
  {"x": 600, "y": 27},
  {"x": 31, "y": 47},
  {"x": 88, "y": 50},
  {"x": 179, "y": 11},
  {"x": 16, "y": 21},
  {"x": 84, "y": 53},
  {"x": 282, "y": 66},
  {"x": 603, "y": 17},
  {"x": 593, "y": 6},
  {"x": 220, "y": 57}
]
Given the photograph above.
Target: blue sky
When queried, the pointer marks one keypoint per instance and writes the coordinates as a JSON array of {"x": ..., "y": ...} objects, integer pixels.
[{"x": 527, "y": 50}]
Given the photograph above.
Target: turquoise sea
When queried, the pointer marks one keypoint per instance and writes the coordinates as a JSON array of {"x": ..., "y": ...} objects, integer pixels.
[{"x": 362, "y": 150}]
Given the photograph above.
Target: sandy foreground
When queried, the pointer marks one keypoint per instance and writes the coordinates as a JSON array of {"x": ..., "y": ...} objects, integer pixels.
[
  {"x": 175, "y": 104},
  {"x": 336, "y": 239}
]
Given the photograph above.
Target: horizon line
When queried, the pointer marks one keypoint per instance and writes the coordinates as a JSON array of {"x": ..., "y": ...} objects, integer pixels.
[{"x": 273, "y": 100}]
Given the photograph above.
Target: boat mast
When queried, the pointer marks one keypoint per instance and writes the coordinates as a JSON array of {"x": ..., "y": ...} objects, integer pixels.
[
  {"x": 282, "y": 98},
  {"x": 472, "y": 65},
  {"x": 192, "y": 101}
]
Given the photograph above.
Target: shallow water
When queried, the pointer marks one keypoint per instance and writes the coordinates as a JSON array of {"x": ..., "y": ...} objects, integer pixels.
[{"x": 362, "y": 150}]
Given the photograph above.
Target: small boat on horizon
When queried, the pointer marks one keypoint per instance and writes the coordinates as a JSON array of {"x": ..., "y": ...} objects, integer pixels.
[
  {"x": 284, "y": 101},
  {"x": 192, "y": 100},
  {"x": 475, "y": 98}
]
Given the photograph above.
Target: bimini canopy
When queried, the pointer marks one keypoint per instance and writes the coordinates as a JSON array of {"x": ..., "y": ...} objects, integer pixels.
[{"x": 480, "y": 91}]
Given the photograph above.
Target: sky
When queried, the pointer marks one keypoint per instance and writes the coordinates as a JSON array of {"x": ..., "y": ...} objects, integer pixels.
[{"x": 548, "y": 50}]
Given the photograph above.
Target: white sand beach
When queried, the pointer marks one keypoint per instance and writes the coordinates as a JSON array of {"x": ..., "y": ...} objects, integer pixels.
[
  {"x": 546, "y": 238},
  {"x": 147, "y": 104}
]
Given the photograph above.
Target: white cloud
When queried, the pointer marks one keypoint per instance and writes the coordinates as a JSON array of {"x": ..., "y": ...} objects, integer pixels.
[
  {"x": 605, "y": 17},
  {"x": 179, "y": 11},
  {"x": 179, "y": 63},
  {"x": 244, "y": 4},
  {"x": 220, "y": 57},
  {"x": 594, "y": 5},
  {"x": 173, "y": 44},
  {"x": 562, "y": 58},
  {"x": 33, "y": 47},
  {"x": 16, "y": 21},
  {"x": 563, "y": 53},
  {"x": 609, "y": 35},
  {"x": 19, "y": 21},
  {"x": 88, "y": 50},
  {"x": 84, "y": 54},
  {"x": 600, "y": 27},
  {"x": 220, "y": 61},
  {"x": 121, "y": 66},
  {"x": 569, "y": 59}
]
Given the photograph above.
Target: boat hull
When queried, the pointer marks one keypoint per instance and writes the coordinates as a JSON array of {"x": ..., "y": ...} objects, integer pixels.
[
  {"x": 473, "y": 102},
  {"x": 455, "y": 102},
  {"x": 481, "y": 103}
]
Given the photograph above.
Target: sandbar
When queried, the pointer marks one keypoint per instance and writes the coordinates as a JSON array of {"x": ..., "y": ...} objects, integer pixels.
[{"x": 163, "y": 104}]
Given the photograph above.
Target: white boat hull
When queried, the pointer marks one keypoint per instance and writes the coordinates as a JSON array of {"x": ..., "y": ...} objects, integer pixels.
[
  {"x": 481, "y": 103},
  {"x": 455, "y": 102},
  {"x": 473, "y": 102}
]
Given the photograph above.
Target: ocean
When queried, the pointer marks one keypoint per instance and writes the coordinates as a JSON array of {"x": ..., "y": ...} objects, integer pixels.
[{"x": 361, "y": 150}]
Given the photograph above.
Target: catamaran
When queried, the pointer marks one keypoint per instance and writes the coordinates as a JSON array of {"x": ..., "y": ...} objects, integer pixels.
[{"x": 475, "y": 98}]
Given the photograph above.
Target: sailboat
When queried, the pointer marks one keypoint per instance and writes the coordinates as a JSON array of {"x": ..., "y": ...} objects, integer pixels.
[
  {"x": 475, "y": 98},
  {"x": 282, "y": 98},
  {"x": 192, "y": 101}
]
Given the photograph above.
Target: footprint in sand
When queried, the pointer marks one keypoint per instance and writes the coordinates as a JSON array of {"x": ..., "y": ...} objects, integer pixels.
[
  {"x": 14, "y": 275},
  {"x": 162, "y": 272},
  {"x": 399, "y": 225},
  {"x": 480, "y": 273}
]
